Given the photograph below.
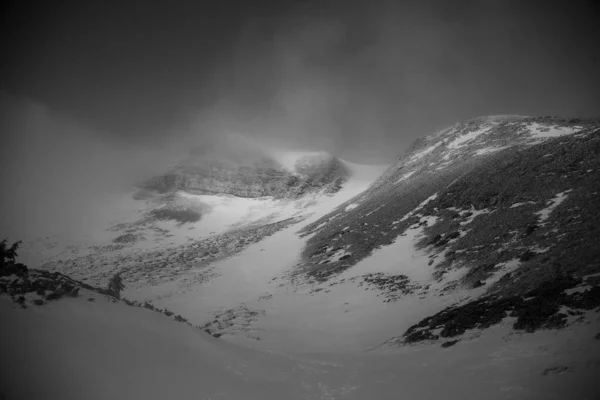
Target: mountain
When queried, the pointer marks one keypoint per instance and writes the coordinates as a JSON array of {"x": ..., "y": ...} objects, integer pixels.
[
  {"x": 63, "y": 339},
  {"x": 469, "y": 266},
  {"x": 506, "y": 207},
  {"x": 249, "y": 171}
]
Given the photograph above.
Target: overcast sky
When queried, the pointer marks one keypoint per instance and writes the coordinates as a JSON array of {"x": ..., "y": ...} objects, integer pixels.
[
  {"x": 340, "y": 74},
  {"x": 362, "y": 79}
]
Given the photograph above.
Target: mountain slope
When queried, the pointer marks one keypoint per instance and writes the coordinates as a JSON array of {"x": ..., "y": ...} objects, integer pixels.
[
  {"x": 252, "y": 173},
  {"x": 499, "y": 159},
  {"x": 506, "y": 206},
  {"x": 81, "y": 349},
  {"x": 468, "y": 267}
]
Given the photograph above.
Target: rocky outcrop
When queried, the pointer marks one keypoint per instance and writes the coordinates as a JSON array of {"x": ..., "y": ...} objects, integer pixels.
[{"x": 264, "y": 177}]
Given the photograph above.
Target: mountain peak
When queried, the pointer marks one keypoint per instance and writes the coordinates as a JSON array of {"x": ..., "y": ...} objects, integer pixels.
[
  {"x": 250, "y": 171},
  {"x": 488, "y": 134}
]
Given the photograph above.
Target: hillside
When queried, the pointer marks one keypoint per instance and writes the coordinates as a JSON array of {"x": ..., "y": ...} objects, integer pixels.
[
  {"x": 506, "y": 205},
  {"x": 251, "y": 173},
  {"x": 91, "y": 345},
  {"x": 469, "y": 266}
]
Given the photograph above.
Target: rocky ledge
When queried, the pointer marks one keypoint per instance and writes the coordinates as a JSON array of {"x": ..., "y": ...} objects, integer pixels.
[{"x": 259, "y": 178}]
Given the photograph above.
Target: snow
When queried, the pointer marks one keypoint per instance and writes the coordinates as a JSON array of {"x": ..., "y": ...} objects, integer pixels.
[
  {"x": 503, "y": 269},
  {"x": 400, "y": 257},
  {"x": 76, "y": 349},
  {"x": 100, "y": 350},
  {"x": 340, "y": 318},
  {"x": 545, "y": 131},
  {"x": 544, "y": 214},
  {"x": 424, "y": 152},
  {"x": 515, "y": 205},
  {"x": 416, "y": 209},
  {"x": 249, "y": 275},
  {"x": 487, "y": 150},
  {"x": 475, "y": 214},
  {"x": 77, "y": 238},
  {"x": 339, "y": 254},
  {"x": 467, "y": 137},
  {"x": 351, "y": 207},
  {"x": 405, "y": 176},
  {"x": 427, "y": 200}
]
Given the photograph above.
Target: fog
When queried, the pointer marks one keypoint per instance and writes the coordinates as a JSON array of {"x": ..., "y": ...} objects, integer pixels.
[
  {"x": 59, "y": 176},
  {"x": 96, "y": 98}
]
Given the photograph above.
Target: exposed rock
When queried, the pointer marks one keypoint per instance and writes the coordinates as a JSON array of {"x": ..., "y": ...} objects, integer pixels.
[
  {"x": 556, "y": 370},
  {"x": 539, "y": 308},
  {"x": 450, "y": 343},
  {"x": 256, "y": 178}
]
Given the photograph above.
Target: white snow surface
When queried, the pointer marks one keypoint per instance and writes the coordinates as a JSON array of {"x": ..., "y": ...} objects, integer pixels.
[
  {"x": 350, "y": 207},
  {"x": 552, "y": 204},
  {"x": 76, "y": 349},
  {"x": 546, "y": 131},
  {"x": 424, "y": 152},
  {"x": 405, "y": 176},
  {"x": 303, "y": 343},
  {"x": 467, "y": 137},
  {"x": 515, "y": 205},
  {"x": 292, "y": 318},
  {"x": 488, "y": 150}
]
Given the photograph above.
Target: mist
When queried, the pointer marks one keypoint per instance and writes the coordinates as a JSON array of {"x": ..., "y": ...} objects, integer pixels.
[
  {"x": 60, "y": 177},
  {"x": 96, "y": 98},
  {"x": 365, "y": 82}
]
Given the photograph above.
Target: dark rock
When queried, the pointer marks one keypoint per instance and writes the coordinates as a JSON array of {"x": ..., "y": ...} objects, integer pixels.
[
  {"x": 452, "y": 235},
  {"x": 527, "y": 255},
  {"x": 450, "y": 343},
  {"x": 530, "y": 229},
  {"x": 435, "y": 239},
  {"x": 179, "y": 318},
  {"x": 555, "y": 370}
]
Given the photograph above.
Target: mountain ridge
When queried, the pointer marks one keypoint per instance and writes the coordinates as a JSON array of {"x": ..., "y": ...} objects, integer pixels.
[
  {"x": 439, "y": 161},
  {"x": 279, "y": 175}
]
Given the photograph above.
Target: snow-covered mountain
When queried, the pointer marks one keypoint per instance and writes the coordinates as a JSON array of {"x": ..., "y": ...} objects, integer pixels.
[
  {"x": 470, "y": 266},
  {"x": 251, "y": 172}
]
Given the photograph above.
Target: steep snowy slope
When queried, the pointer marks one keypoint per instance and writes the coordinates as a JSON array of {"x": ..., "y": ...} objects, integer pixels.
[
  {"x": 93, "y": 346},
  {"x": 181, "y": 235}
]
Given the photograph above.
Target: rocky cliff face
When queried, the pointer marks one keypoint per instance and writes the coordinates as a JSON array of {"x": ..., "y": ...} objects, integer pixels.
[
  {"x": 265, "y": 176},
  {"x": 504, "y": 169}
]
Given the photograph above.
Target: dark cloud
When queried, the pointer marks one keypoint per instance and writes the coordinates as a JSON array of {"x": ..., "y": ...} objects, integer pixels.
[
  {"x": 351, "y": 76},
  {"x": 59, "y": 176},
  {"x": 111, "y": 83}
]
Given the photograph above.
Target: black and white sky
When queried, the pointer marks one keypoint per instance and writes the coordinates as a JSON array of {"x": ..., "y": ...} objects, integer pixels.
[{"x": 91, "y": 90}]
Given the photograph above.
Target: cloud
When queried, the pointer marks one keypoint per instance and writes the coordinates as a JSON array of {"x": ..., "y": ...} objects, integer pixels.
[
  {"x": 58, "y": 174},
  {"x": 370, "y": 80},
  {"x": 352, "y": 77}
]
